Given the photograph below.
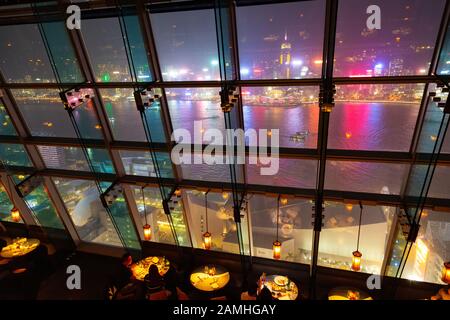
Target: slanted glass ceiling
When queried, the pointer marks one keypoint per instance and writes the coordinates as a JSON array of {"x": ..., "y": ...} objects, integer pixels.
[{"x": 382, "y": 116}]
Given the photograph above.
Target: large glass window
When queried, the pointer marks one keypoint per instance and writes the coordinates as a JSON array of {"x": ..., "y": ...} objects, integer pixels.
[
  {"x": 88, "y": 215},
  {"x": 402, "y": 46},
  {"x": 73, "y": 158},
  {"x": 195, "y": 110},
  {"x": 444, "y": 58},
  {"x": 43, "y": 209},
  {"x": 6, "y": 206},
  {"x": 281, "y": 41},
  {"x": 295, "y": 173},
  {"x": 430, "y": 251},
  {"x": 440, "y": 185},
  {"x": 294, "y": 233},
  {"x": 187, "y": 45},
  {"x": 123, "y": 116},
  {"x": 23, "y": 57},
  {"x": 140, "y": 163},
  {"x": 45, "y": 115},
  {"x": 157, "y": 219},
  {"x": 221, "y": 225},
  {"x": 6, "y": 126},
  {"x": 62, "y": 53},
  {"x": 14, "y": 155},
  {"x": 375, "y": 117},
  {"x": 292, "y": 110},
  {"x": 383, "y": 178},
  {"x": 339, "y": 236},
  {"x": 105, "y": 44}
]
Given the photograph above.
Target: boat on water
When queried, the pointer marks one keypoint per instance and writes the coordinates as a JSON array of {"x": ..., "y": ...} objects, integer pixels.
[{"x": 299, "y": 136}]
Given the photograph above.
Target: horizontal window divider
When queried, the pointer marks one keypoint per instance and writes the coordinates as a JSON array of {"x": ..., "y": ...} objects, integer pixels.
[
  {"x": 139, "y": 146},
  {"x": 64, "y": 142}
]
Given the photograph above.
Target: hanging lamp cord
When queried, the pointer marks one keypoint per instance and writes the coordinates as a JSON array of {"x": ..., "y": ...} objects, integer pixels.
[
  {"x": 359, "y": 227},
  {"x": 206, "y": 207},
  {"x": 278, "y": 212},
  {"x": 143, "y": 201}
]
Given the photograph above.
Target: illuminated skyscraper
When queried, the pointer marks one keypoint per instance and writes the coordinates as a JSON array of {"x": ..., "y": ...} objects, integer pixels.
[
  {"x": 285, "y": 58},
  {"x": 396, "y": 67}
]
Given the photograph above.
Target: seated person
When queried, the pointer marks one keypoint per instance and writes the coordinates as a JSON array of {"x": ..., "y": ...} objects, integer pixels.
[
  {"x": 265, "y": 294},
  {"x": 174, "y": 293},
  {"x": 250, "y": 294},
  {"x": 154, "y": 284},
  {"x": 123, "y": 274}
]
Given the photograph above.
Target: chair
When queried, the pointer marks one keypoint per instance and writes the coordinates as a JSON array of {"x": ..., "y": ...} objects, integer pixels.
[{"x": 159, "y": 295}]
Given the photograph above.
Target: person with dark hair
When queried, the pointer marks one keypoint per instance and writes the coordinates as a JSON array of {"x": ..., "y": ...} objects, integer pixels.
[
  {"x": 171, "y": 281},
  {"x": 251, "y": 292},
  {"x": 265, "y": 294},
  {"x": 154, "y": 284}
]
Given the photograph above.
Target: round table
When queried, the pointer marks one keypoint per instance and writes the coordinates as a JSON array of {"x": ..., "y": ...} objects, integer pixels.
[
  {"x": 344, "y": 293},
  {"x": 210, "y": 278},
  {"x": 282, "y": 287},
  {"x": 19, "y": 247},
  {"x": 140, "y": 268}
]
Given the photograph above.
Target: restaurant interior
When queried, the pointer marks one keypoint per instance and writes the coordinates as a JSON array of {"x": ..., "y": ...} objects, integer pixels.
[{"x": 225, "y": 150}]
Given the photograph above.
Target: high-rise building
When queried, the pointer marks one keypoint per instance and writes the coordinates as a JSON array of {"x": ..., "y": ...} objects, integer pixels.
[{"x": 285, "y": 58}]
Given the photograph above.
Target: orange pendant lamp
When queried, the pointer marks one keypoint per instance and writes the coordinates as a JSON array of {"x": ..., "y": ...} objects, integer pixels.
[
  {"x": 15, "y": 214},
  {"x": 147, "y": 227},
  {"x": 277, "y": 244},
  {"x": 446, "y": 273},
  {"x": 356, "y": 255},
  {"x": 207, "y": 240}
]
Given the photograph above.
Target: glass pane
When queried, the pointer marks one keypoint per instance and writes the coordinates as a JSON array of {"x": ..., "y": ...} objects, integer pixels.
[
  {"x": 120, "y": 214},
  {"x": 23, "y": 57},
  {"x": 430, "y": 251},
  {"x": 402, "y": 46},
  {"x": 63, "y": 55},
  {"x": 375, "y": 117},
  {"x": 157, "y": 219},
  {"x": 187, "y": 45},
  {"x": 42, "y": 208},
  {"x": 88, "y": 215},
  {"x": 14, "y": 155},
  {"x": 295, "y": 230},
  {"x": 197, "y": 169},
  {"x": 221, "y": 223},
  {"x": 73, "y": 158},
  {"x": 292, "y": 110},
  {"x": 195, "y": 110},
  {"x": 6, "y": 126},
  {"x": 339, "y": 236},
  {"x": 291, "y": 173},
  {"x": 107, "y": 52},
  {"x": 430, "y": 135},
  {"x": 124, "y": 119},
  {"x": 137, "y": 48},
  {"x": 384, "y": 178},
  {"x": 443, "y": 67},
  {"x": 399, "y": 247},
  {"x": 281, "y": 41},
  {"x": 45, "y": 116},
  {"x": 6, "y": 206},
  {"x": 139, "y": 163},
  {"x": 440, "y": 185}
]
